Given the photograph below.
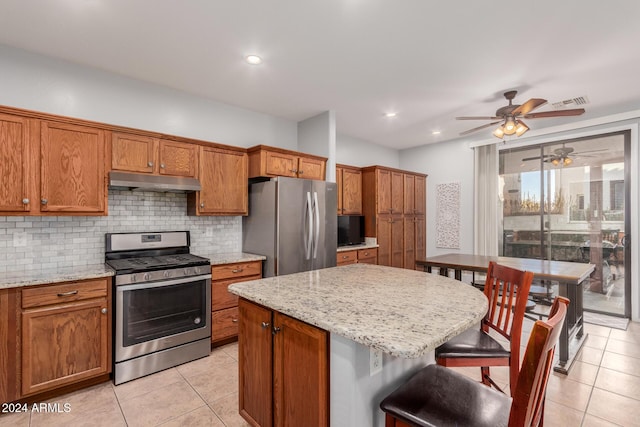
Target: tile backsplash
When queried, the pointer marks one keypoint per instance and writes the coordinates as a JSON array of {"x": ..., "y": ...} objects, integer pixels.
[{"x": 34, "y": 243}]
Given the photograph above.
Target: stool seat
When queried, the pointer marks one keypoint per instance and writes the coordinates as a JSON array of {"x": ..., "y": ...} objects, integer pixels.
[
  {"x": 472, "y": 343},
  {"x": 437, "y": 396}
]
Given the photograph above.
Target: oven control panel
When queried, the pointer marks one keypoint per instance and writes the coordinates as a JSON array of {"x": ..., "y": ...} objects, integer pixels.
[{"x": 195, "y": 273}]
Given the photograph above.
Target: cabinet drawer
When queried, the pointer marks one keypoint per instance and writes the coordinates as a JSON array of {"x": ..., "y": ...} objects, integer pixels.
[
  {"x": 368, "y": 256},
  {"x": 224, "y": 323},
  {"x": 239, "y": 269},
  {"x": 347, "y": 257},
  {"x": 64, "y": 292},
  {"x": 221, "y": 297}
]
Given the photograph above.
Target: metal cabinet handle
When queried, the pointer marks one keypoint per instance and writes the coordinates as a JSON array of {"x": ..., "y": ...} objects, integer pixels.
[
  {"x": 44, "y": 201},
  {"x": 104, "y": 310},
  {"x": 366, "y": 253},
  {"x": 234, "y": 320},
  {"x": 238, "y": 270},
  {"x": 25, "y": 201},
  {"x": 161, "y": 165},
  {"x": 344, "y": 257},
  {"x": 66, "y": 294},
  {"x": 293, "y": 170},
  {"x": 300, "y": 172},
  {"x": 276, "y": 330},
  {"x": 150, "y": 164},
  {"x": 265, "y": 325},
  {"x": 202, "y": 205}
]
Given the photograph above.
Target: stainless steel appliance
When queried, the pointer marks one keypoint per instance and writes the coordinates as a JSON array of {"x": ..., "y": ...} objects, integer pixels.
[
  {"x": 162, "y": 302},
  {"x": 293, "y": 223}
]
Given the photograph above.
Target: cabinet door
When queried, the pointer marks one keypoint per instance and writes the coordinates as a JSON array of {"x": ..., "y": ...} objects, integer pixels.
[
  {"x": 383, "y": 180},
  {"x": 72, "y": 170},
  {"x": 409, "y": 229},
  {"x": 309, "y": 168},
  {"x": 14, "y": 164},
  {"x": 340, "y": 189},
  {"x": 368, "y": 256},
  {"x": 397, "y": 242},
  {"x": 133, "y": 153},
  {"x": 409, "y": 194},
  {"x": 9, "y": 345},
  {"x": 300, "y": 373},
  {"x": 280, "y": 164},
  {"x": 383, "y": 233},
  {"x": 223, "y": 176},
  {"x": 420, "y": 195},
  {"x": 397, "y": 192},
  {"x": 346, "y": 257},
  {"x": 62, "y": 344},
  {"x": 178, "y": 159},
  {"x": 352, "y": 192},
  {"x": 255, "y": 363},
  {"x": 420, "y": 239}
]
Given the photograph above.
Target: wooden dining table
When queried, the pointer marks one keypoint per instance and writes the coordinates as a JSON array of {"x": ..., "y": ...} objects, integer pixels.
[{"x": 570, "y": 277}]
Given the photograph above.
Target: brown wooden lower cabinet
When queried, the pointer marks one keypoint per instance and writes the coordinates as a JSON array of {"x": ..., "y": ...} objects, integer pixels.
[
  {"x": 224, "y": 305},
  {"x": 66, "y": 334},
  {"x": 9, "y": 345},
  {"x": 284, "y": 369},
  {"x": 360, "y": 256}
]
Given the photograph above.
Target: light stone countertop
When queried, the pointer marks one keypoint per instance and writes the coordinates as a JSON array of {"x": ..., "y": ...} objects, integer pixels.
[
  {"x": 357, "y": 247},
  {"x": 232, "y": 257},
  {"x": 54, "y": 275},
  {"x": 404, "y": 313}
]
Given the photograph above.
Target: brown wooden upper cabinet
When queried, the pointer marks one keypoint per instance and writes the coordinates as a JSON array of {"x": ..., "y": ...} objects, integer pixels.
[
  {"x": 414, "y": 194},
  {"x": 390, "y": 191},
  {"x": 223, "y": 177},
  {"x": 15, "y": 165},
  {"x": 267, "y": 161},
  {"x": 144, "y": 154},
  {"x": 349, "y": 181}
]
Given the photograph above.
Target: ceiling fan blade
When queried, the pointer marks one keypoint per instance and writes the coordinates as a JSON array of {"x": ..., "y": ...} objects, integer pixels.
[
  {"x": 589, "y": 151},
  {"x": 537, "y": 157},
  {"x": 529, "y": 106},
  {"x": 559, "y": 113},
  {"x": 479, "y": 118},
  {"x": 467, "y": 132}
]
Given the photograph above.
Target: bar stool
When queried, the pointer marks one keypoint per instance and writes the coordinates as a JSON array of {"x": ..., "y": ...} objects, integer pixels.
[
  {"x": 437, "y": 396},
  {"x": 507, "y": 291}
]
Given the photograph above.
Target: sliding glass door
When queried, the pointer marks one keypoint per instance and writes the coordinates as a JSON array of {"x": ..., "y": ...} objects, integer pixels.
[{"x": 568, "y": 201}]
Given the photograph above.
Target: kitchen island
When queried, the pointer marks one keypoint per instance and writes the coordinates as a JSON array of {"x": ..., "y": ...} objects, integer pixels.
[{"x": 324, "y": 330}]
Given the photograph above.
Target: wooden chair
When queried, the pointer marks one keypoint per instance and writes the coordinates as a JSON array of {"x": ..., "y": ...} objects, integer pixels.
[
  {"x": 437, "y": 396},
  {"x": 507, "y": 290}
]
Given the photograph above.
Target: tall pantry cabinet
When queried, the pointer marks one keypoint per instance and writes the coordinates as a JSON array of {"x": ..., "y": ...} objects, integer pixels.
[{"x": 394, "y": 205}]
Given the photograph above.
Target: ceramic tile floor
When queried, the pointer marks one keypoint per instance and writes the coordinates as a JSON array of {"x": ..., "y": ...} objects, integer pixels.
[{"x": 602, "y": 389}]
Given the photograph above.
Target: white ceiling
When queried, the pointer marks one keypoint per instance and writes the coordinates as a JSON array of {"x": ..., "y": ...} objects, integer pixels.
[{"x": 429, "y": 61}]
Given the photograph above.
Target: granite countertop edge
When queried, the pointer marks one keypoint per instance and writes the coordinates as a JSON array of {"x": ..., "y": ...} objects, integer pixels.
[
  {"x": 357, "y": 247},
  {"x": 232, "y": 257}
]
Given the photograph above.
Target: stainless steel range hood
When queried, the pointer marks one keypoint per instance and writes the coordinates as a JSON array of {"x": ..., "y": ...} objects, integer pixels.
[{"x": 143, "y": 182}]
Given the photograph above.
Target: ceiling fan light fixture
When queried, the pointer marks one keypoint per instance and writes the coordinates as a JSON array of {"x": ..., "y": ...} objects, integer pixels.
[
  {"x": 510, "y": 126},
  {"x": 499, "y": 132},
  {"x": 555, "y": 161},
  {"x": 521, "y": 128},
  {"x": 567, "y": 161}
]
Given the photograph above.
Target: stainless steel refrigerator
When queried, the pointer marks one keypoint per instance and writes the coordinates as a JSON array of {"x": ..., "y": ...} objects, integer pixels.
[{"x": 293, "y": 223}]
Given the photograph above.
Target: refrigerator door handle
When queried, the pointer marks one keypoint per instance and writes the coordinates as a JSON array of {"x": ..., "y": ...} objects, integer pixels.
[
  {"x": 308, "y": 233},
  {"x": 316, "y": 239}
]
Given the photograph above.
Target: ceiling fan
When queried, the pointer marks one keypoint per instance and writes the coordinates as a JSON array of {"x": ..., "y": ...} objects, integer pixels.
[
  {"x": 563, "y": 155},
  {"x": 511, "y": 116}
]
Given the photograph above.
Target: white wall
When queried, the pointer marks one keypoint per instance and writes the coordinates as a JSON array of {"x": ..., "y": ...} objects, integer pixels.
[
  {"x": 357, "y": 152},
  {"x": 445, "y": 162},
  {"x": 317, "y": 135},
  {"x": 40, "y": 83}
]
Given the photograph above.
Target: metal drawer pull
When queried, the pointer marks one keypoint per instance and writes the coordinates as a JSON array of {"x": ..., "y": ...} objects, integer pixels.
[
  {"x": 150, "y": 164},
  {"x": 276, "y": 330},
  {"x": 234, "y": 320},
  {"x": 44, "y": 201},
  {"x": 238, "y": 270},
  {"x": 67, "y": 294},
  {"x": 103, "y": 311},
  {"x": 25, "y": 201},
  {"x": 265, "y": 325}
]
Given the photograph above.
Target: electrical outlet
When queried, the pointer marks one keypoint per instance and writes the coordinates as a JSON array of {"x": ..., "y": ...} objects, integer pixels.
[{"x": 375, "y": 361}]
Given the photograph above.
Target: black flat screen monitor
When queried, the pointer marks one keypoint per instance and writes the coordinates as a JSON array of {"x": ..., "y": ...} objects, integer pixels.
[{"x": 350, "y": 230}]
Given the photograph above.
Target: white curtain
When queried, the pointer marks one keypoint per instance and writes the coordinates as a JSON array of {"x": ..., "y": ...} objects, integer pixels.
[{"x": 486, "y": 203}]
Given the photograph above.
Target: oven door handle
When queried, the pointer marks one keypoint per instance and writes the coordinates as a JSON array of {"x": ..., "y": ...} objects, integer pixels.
[{"x": 150, "y": 285}]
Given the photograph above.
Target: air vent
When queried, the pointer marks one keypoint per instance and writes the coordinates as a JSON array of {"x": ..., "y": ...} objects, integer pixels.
[{"x": 580, "y": 100}]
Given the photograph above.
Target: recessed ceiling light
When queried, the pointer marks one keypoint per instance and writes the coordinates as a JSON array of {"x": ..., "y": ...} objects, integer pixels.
[
  {"x": 390, "y": 115},
  {"x": 435, "y": 132},
  {"x": 254, "y": 59}
]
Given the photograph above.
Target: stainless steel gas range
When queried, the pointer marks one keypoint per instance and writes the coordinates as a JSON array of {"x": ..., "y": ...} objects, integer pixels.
[{"x": 162, "y": 300}]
